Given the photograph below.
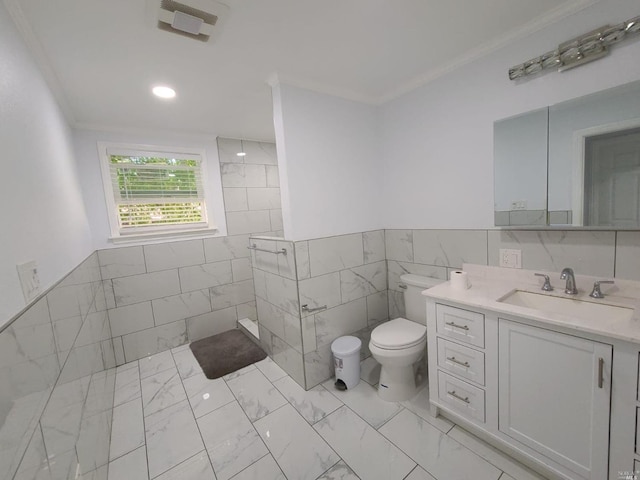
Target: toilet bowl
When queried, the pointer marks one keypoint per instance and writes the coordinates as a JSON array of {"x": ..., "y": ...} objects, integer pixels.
[{"x": 399, "y": 343}]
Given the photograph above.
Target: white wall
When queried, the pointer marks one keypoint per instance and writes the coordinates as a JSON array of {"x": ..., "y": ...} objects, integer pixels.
[
  {"x": 437, "y": 140},
  {"x": 330, "y": 174},
  {"x": 43, "y": 216},
  {"x": 86, "y": 148}
]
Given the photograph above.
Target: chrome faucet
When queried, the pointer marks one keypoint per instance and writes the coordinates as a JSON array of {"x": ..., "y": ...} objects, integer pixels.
[{"x": 567, "y": 274}]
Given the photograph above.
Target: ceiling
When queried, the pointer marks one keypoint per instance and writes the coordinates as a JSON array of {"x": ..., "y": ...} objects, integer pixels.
[{"x": 101, "y": 57}]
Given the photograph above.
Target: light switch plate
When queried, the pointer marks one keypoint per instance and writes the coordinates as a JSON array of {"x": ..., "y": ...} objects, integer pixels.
[
  {"x": 29, "y": 280},
  {"x": 510, "y": 258}
]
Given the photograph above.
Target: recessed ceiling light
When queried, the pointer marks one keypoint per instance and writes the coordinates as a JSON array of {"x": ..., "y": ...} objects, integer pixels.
[
  {"x": 241, "y": 154},
  {"x": 163, "y": 91}
]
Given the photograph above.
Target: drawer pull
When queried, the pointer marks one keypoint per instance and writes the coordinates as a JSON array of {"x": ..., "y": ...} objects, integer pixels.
[
  {"x": 455, "y": 360},
  {"x": 461, "y": 327},
  {"x": 600, "y": 372},
  {"x": 455, "y": 395}
]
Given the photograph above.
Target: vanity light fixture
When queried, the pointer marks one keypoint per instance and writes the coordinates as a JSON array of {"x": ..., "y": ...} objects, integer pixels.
[
  {"x": 163, "y": 91},
  {"x": 583, "y": 49}
]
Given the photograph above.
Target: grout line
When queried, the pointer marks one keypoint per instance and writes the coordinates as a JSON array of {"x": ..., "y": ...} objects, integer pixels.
[
  {"x": 327, "y": 470},
  {"x": 139, "y": 446},
  {"x": 487, "y": 239},
  {"x": 413, "y": 470},
  {"x": 268, "y": 454},
  {"x": 144, "y": 425},
  {"x": 615, "y": 252},
  {"x": 402, "y": 408}
]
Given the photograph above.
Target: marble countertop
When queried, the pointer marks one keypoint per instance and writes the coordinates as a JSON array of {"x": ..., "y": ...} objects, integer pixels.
[{"x": 491, "y": 284}]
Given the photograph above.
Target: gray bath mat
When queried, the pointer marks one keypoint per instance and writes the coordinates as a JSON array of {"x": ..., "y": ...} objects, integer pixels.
[{"x": 225, "y": 353}]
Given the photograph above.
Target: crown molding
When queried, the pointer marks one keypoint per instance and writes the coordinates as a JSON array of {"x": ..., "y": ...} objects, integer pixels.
[
  {"x": 167, "y": 133},
  {"x": 40, "y": 58},
  {"x": 418, "y": 81},
  {"x": 344, "y": 93},
  {"x": 489, "y": 47}
]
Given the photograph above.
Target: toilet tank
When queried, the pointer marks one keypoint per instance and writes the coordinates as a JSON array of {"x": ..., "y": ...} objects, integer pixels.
[{"x": 414, "y": 302}]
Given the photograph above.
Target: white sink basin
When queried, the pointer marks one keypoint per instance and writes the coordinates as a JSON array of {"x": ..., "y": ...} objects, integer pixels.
[{"x": 567, "y": 306}]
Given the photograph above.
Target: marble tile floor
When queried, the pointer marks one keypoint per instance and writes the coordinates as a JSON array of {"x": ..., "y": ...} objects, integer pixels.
[{"x": 171, "y": 423}]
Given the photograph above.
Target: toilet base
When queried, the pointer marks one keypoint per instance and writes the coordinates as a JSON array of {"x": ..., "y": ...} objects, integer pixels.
[{"x": 397, "y": 384}]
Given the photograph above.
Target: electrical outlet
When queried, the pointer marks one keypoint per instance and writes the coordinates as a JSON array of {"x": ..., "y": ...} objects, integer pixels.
[
  {"x": 510, "y": 258},
  {"x": 519, "y": 205},
  {"x": 29, "y": 280}
]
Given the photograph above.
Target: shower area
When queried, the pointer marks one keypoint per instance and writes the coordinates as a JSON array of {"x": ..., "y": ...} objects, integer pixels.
[
  {"x": 308, "y": 293},
  {"x": 60, "y": 355}
]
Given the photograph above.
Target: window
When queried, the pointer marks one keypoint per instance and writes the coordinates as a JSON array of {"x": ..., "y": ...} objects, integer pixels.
[{"x": 152, "y": 191}]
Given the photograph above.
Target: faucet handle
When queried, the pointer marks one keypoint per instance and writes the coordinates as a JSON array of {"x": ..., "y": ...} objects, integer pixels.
[
  {"x": 547, "y": 283},
  {"x": 596, "y": 292}
]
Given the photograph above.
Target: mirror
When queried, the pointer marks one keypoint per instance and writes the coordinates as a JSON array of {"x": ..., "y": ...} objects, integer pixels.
[
  {"x": 520, "y": 169},
  {"x": 590, "y": 174}
]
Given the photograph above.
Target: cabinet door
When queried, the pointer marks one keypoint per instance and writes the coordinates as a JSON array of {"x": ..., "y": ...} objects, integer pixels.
[{"x": 554, "y": 395}]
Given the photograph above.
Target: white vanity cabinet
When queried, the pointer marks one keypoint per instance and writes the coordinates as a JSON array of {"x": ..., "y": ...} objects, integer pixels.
[
  {"x": 560, "y": 400},
  {"x": 554, "y": 395}
]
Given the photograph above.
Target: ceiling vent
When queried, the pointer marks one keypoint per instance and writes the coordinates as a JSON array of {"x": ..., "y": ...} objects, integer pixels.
[{"x": 197, "y": 19}]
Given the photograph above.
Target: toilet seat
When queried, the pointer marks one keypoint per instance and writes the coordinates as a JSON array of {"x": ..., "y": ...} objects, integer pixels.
[{"x": 398, "y": 334}]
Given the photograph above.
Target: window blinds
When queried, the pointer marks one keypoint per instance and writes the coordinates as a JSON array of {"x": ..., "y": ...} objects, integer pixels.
[{"x": 157, "y": 189}]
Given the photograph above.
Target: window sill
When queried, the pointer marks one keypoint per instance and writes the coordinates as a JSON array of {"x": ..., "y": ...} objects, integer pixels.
[{"x": 163, "y": 236}]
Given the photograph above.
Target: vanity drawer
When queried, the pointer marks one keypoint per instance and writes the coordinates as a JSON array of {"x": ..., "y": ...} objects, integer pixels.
[
  {"x": 460, "y": 360},
  {"x": 460, "y": 324},
  {"x": 461, "y": 396}
]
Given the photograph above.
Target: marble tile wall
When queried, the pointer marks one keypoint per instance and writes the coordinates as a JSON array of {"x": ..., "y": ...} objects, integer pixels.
[
  {"x": 278, "y": 304},
  {"x": 348, "y": 274},
  {"x": 163, "y": 295},
  {"x": 56, "y": 370},
  {"x": 435, "y": 253},
  {"x": 251, "y": 187},
  {"x": 57, "y": 358}
]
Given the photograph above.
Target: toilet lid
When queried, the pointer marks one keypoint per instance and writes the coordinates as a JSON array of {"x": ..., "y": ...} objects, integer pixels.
[{"x": 398, "y": 333}]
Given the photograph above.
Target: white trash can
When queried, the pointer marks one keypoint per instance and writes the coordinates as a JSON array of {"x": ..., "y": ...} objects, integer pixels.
[{"x": 346, "y": 361}]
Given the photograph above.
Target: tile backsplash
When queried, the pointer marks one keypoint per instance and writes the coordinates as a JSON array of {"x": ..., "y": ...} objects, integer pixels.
[{"x": 435, "y": 253}]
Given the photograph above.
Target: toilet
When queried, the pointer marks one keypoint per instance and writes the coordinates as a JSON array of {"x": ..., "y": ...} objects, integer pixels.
[{"x": 399, "y": 343}]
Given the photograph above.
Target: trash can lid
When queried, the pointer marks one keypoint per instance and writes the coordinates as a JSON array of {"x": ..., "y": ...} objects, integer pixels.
[{"x": 346, "y": 345}]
